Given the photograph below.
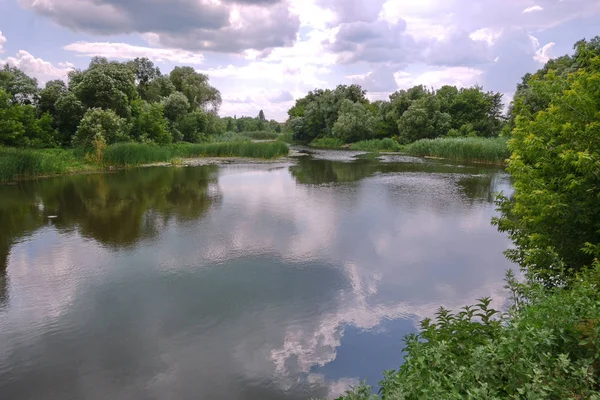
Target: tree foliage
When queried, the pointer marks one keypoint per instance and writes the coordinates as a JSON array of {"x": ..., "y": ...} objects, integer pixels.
[
  {"x": 409, "y": 115},
  {"x": 130, "y": 101},
  {"x": 554, "y": 214}
]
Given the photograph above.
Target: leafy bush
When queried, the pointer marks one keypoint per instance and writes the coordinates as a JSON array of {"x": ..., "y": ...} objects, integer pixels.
[
  {"x": 97, "y": 121},
  {"x": 532, "y": 352}
]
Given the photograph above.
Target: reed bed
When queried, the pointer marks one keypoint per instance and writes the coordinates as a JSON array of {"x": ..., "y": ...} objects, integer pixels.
[
  {"x": 130, "y": 154},
  {"x": 18, "y": 164},
  {"x": 487, "y": 150}
]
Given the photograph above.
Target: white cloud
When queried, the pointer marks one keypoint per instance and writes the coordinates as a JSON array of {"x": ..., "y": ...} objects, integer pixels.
[
  {"x": 126, "y": 51},
  {"x": 38, "y": 68},
  {"x": 533, "y": 9},
  {"x": 543, "y": 54},
  {"x": 487, "y": 35},
  {"x": 2, "y": 41},
  {"x": 457, "y": 76}
]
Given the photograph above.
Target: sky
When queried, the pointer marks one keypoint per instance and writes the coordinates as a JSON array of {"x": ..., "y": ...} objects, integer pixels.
[{"x": 264, "y": 54}]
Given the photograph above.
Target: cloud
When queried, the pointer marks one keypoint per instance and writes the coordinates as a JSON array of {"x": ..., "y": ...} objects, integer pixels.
[
  {"x": 543, "y": 55},
  {"x": 379, "y": 80},
  {"x": 438, "y": 77},
  {"x": 532, "y": 9},
  {"x": 281, "y": 97},
  {"x": 2, "y": 41},
  {"x": 353, "y": 10},
  {"x": 126, "y": 51},
  {"x": 373, "y": 42},
  {"x": 227, "y": 26},
  {"x": 42, "y": 70}
]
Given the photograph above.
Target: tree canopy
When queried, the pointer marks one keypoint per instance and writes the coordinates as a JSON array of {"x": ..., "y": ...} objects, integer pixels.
[
  {"x": 409, "y": 115},
  {"x": 129, "y": 101}
]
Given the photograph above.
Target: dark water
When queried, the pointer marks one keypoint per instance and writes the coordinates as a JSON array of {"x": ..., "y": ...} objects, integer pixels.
[{"x": 236, "y": 282}]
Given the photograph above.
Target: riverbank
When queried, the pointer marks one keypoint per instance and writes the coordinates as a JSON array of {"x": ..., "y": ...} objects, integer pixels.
[{"x": 24, "y": 164}]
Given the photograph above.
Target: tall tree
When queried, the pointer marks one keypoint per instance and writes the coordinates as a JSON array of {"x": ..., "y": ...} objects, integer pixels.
[
  {"x": 196, "y": 88},
  {"x": 554, "y": 218},
  {"x": 21, "y": 88}
]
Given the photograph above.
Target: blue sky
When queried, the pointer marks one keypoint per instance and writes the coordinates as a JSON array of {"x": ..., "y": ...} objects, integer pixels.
[{"x": 263, "y": 54}]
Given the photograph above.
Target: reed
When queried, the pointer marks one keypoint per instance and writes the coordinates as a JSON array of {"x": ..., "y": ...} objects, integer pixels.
[
  {"x": 488, "y": 150},
  {"x": 18, "y": 164},
  {"x": 130, "y": 154}
]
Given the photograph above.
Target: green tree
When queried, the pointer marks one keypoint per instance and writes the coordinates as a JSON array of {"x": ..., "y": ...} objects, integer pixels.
[
  {"x": 68, "y": 113},
  {"x": 176, "y": 106},
  {"x": 99, "y": 123},
  {"x": 145, "y": 72},
  {"x": 106, "y": 85},
  {"x": 230, "y": 127},
  {"x": 196, "y": 88},
  {"x": 354, "y": 123},
  {"x": 149, "y": 123},
  {"x": 193, "y": 126},
  {"x": 21, "y": 88},
  {"x": 472, "y": 106},
  {"x": 158, "y": 89},
  {"x": 554, "y": 216},
  {"x": 21, "y": 127},
  {"x": 423, "y": 120},
  {"x": 261, "y": 116},
  {"x": 49, "y": 95}
]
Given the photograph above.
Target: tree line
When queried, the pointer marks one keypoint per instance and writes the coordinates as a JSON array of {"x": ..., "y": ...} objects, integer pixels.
[
  {"x": 112, "y": 102},
  {"x": 345, "y": 113}
]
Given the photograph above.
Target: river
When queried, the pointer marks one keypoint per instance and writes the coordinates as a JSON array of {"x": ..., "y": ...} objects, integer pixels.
[{"x": 255, "y": 281}]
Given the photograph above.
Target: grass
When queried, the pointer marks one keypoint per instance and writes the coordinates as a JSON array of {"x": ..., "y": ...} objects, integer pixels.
[
  {"x": 386, "y": 144},
  {"x": 129, "y": 154},
  {"x": 488, "y": 150},
  {"x": 18, "y": 164},
  {"x": 327, "y": 143}
]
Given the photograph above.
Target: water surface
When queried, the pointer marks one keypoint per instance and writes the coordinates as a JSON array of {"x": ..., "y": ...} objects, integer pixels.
[{"x": 280, "y": 281}]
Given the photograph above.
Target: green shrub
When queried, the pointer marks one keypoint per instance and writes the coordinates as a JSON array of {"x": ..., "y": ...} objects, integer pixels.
[
  {"x": 327, "y": 143},
  {"x": 492, "y": 150},
  {"x": 532, "y": 352}
]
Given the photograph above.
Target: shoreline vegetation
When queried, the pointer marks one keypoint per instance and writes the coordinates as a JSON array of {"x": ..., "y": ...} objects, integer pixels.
[
  {"x": 25, "y": 164},
  {"x": 493, "y": 151}
]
